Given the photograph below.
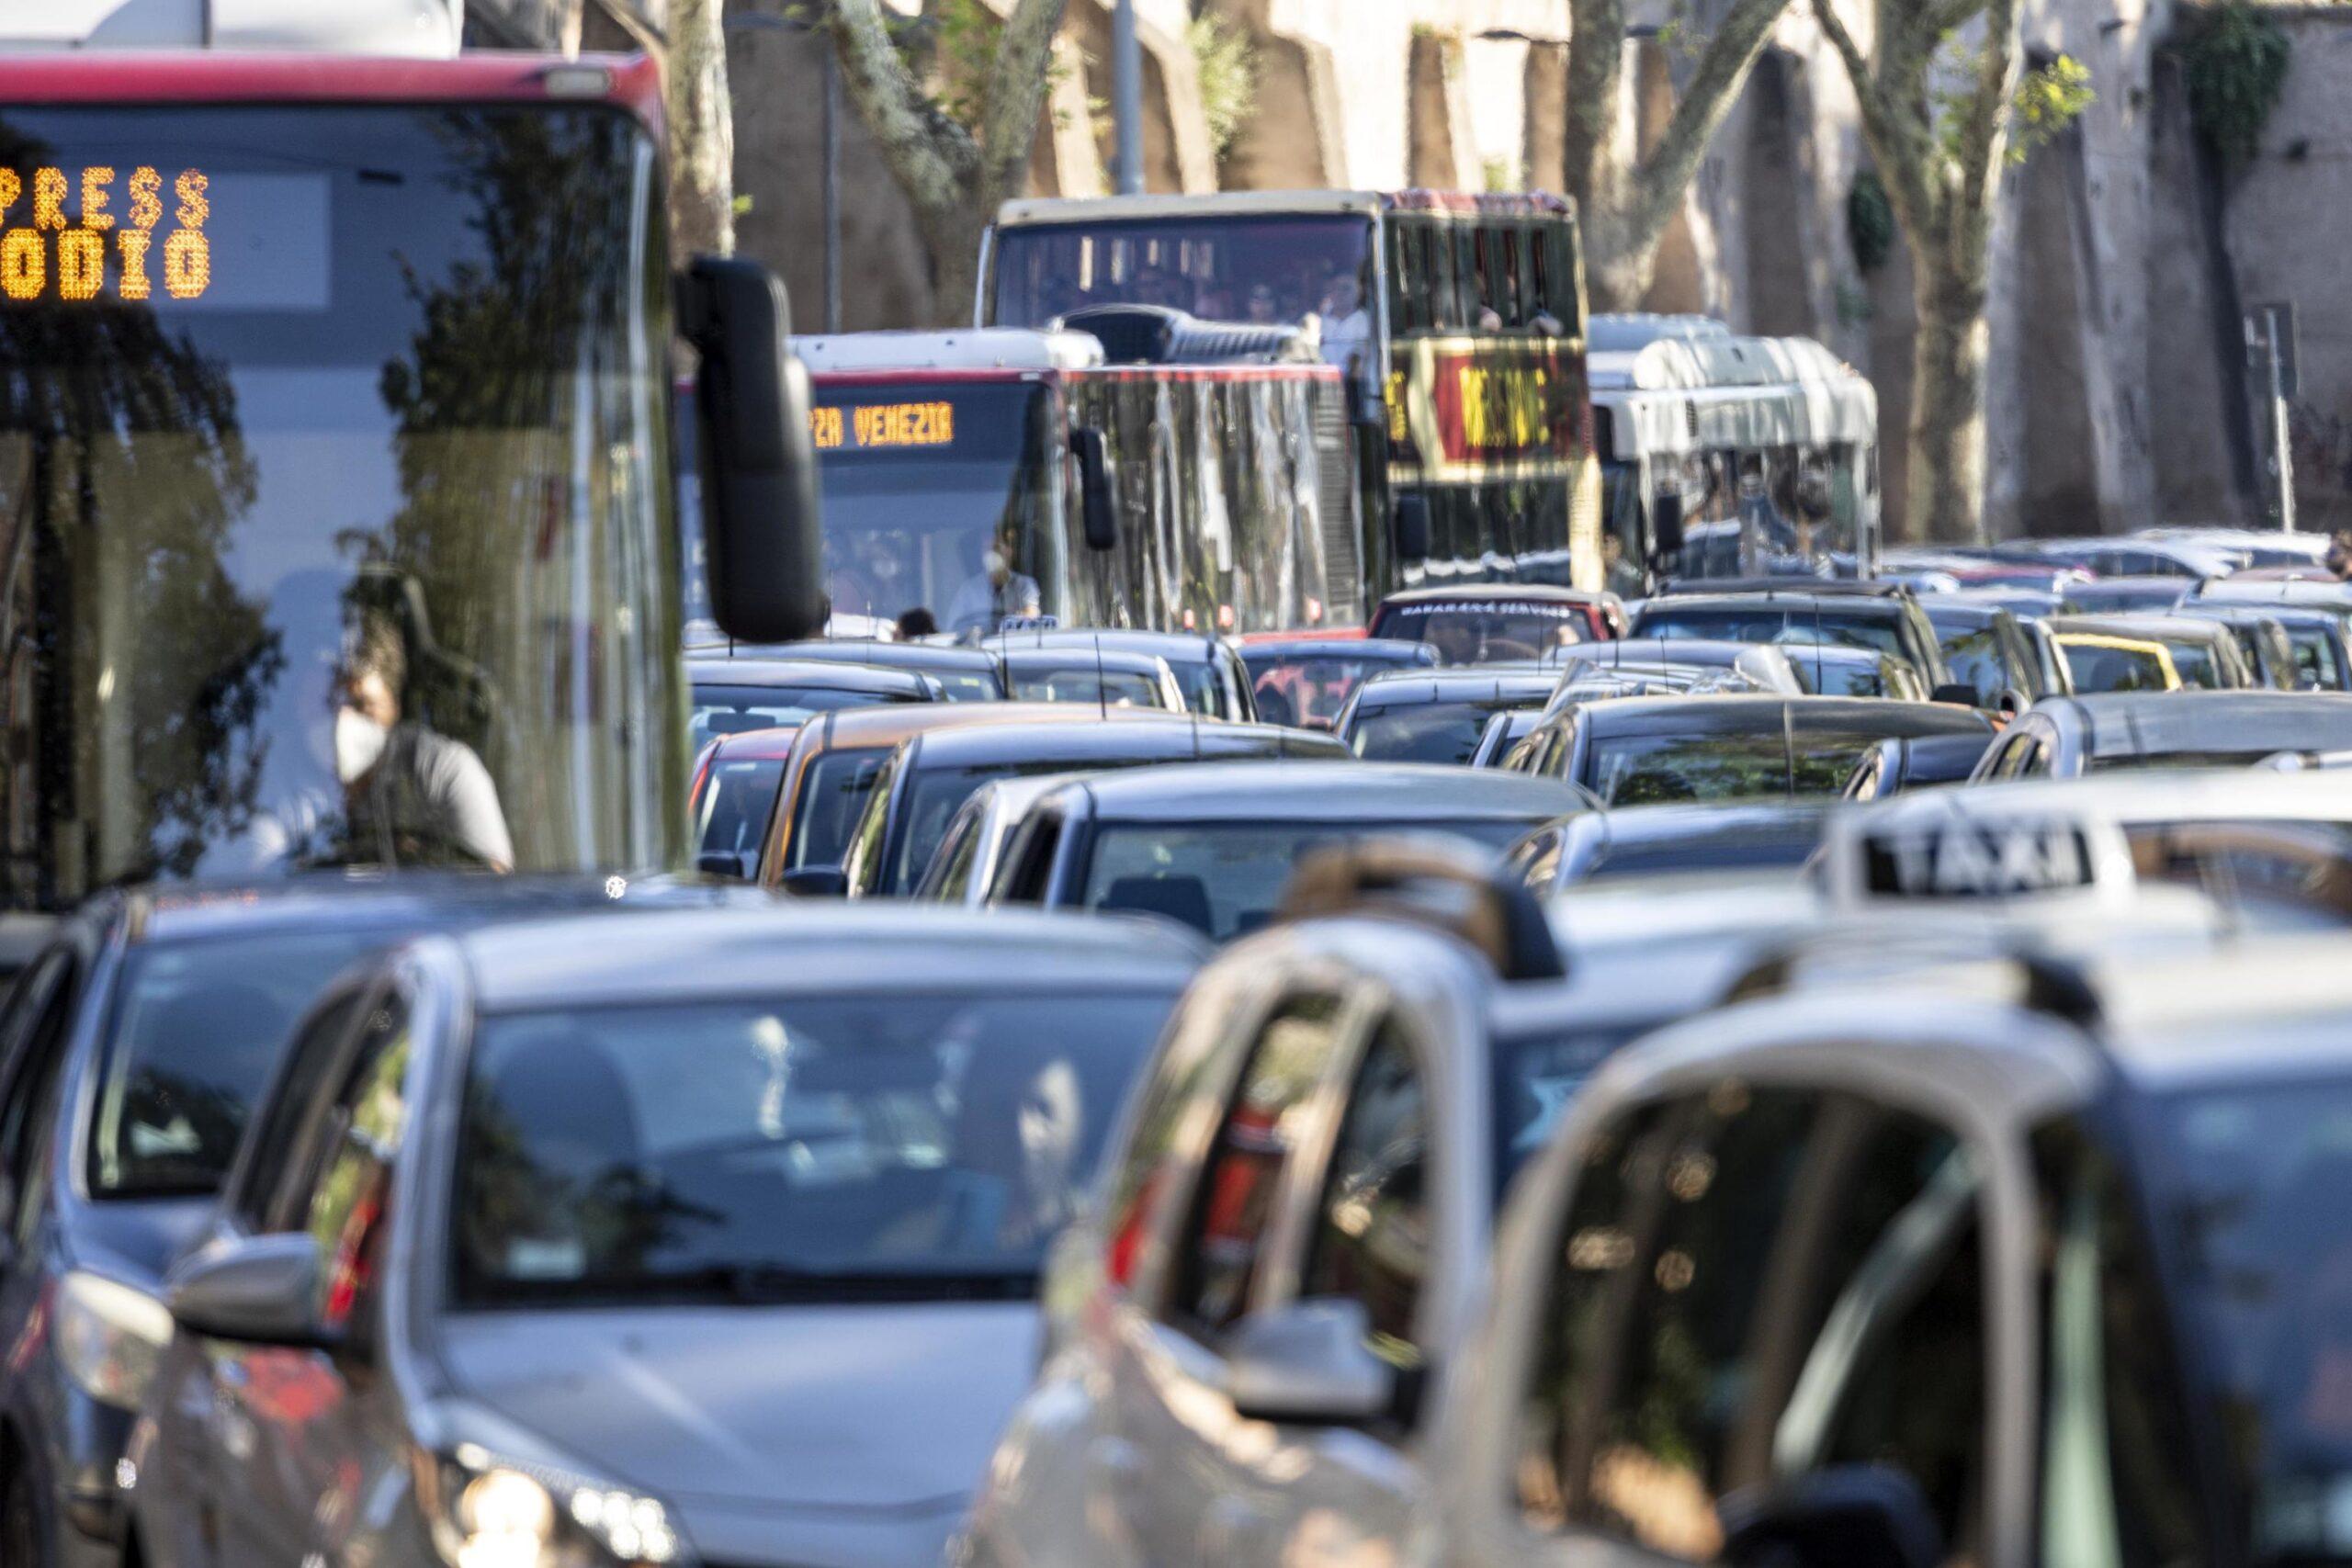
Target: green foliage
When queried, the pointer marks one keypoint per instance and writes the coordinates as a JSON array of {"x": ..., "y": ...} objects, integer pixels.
[
  {"x": 1869, "y": 222},
  {"x": 1226, "y": 63},
  {"x": 1499, "y": 175},
  {"x": 2236, "y": 59},
  {"x": 2048, "y": 100}
]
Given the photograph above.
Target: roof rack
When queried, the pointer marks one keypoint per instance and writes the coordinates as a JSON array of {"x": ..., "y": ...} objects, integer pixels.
[{"x": 1433, "y": 885}]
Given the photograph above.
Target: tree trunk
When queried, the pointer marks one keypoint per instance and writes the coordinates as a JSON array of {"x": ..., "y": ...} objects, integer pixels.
[
  {"x": 953, "y": 238},
  {"x": 1946, "y": 488},
  {"x": 702, "y": 133},
  {"x": 1617, "y": 270}
]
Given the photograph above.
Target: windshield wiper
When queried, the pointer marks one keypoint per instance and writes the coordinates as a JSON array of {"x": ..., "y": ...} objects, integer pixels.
[{"x": 771, "y": 1284}]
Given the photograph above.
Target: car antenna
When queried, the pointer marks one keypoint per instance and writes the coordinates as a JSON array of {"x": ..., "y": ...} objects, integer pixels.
[{"x": 1102, "y": 688}]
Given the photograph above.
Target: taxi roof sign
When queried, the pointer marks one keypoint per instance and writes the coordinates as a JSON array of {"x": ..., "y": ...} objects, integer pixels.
[{"x": 1947, "y": 845}]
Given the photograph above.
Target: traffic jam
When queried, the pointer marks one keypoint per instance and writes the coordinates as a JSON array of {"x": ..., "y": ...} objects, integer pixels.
[{"x": 1380, "y": 932}]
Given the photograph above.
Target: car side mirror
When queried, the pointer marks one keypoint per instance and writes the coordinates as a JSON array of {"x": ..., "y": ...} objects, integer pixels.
[
  {"x": 1959, "y": 692},
  {"x": 1861, "y": 1516},
  {"x": 733, "y": 865},
  {"x": 817, "y": 882},
  {"x": 1306, "y": 1364},
  {"x": 1666, "y": 525},
  {"x": 1097, "y": 506},
  {"x": 1413, "y": 528},
  {"x": 257, "y": 1290},
  {"x": 761, "y": 537}
]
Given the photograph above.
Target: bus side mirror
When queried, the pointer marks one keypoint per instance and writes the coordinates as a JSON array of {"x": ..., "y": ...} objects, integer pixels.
[
  {"x": 1412, "y": 525},
  {"x": 761, "y": 530},
  {"x": 1096, "y": 510},
  {"x": 1666, "y": 525}
]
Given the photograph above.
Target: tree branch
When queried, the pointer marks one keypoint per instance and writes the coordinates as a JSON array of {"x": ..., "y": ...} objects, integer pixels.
[
  {"x": 931, "y": 156},
  {"x": 1902, "y": 147},
  {"x": 1596, "y": 65},
  {"x": 1942, "y": 18},
  {"x": 1017, "y": 95},
  {"x": 1722, "y": 70}
]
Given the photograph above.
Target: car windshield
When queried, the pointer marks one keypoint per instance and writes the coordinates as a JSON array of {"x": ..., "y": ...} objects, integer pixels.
[
  {"x": 1880, "y": 677},
  {"x": 2316, "y": 657},
  {"x": 731, "y": 710},
  {"x": 832, "y": 797},
  {"x": 1224, "y": 880},
  {"x": 2256, "y": 1177},
  {"x": 933, "y": 796},
  {"x": 1262, "y": 269},
  {"x": 1973, "y": 655},
  {"x": 732, "y": 812},
  {"x": 1422, "y": 732},
  {"x": 1294, "y": 689},
  {"x": 1645, "y": 769},
  {"x": 923, "y": 484},
  {"x": 2099, "y": 667},
  {"x": 1486, "y": 631},
  {"x": 1763, "y": 623},
  {"x": 1086, "y": 683},
  {"x": 896, "y": 1145},
  {"x": 1535, "y": 1077},
  {"x": 194, "y": 1035},
  {"x": 2196, "y": 664},
  {"x": 339, "y": 504}
]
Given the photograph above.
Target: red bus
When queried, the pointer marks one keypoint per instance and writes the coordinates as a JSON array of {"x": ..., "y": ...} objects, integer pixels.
[{"x": 335, "y": 447}]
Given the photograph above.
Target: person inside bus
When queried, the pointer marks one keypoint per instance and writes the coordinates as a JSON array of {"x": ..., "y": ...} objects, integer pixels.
[
  {"x": 917, "y": 624},
  {"x": 1347, "y": 325},
  {"x": 1264, "y": 310},
  {"x": 993, "y": 591},
  {"x": 412, "y": 796}
]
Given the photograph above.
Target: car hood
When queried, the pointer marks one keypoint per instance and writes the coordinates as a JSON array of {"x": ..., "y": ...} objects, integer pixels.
[{"x": 836, "y": 1412}]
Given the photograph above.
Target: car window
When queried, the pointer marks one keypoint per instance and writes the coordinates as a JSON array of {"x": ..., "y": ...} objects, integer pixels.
[
  {"x": 1792, "y": 1284},
  {"x": 957, "y": 854},
  {"x": 1025, "y": 875},
  {"x": 832, "y": 792},
  {"x": 1217, "y": 1257},
  {"x": 862, "y": 853},
  {"x": 351, "y": 1162},
  {"x": 275, "y": 1142},
  {"x": 1980, "y": 659},
  {"x": 737, "y": 797},
  {"x": 1371, "y": 1241}
]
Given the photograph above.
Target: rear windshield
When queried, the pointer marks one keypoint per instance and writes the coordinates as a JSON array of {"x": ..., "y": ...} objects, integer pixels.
[
  {"x": 196, "y": 1033},
  {"x": 731, "y": 710},
  {"x": 731, "y": 814},
  {"x": 1423, "y": 732},
  {"x": 1085, "y": 684},
  {"x": 1536, "y": 1079},
  {"x": 1649, "y": 770},
  {"x": 1761, "y": 623},
  {"x": 2098, "y": 669},
  {"x": 832, "y": 797},
  {"x": 1303, "y": 688},
  {"x": 1486, "y": 631}
]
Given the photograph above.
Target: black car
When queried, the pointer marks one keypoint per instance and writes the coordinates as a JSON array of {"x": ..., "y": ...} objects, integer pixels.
[
  {"x": 2107, "y": 731},
  {"x": 1306, "y": 679},
  {"x": 731, "y": 696},
  {"x": 1212, "y": 847},
  {"x": 1436, "y": 715},
  {"x": 928, "y": 777},
  {"x": 2010, "y": 662},
  {"x": 1667, "y": 841},
  {"x": 1646, "y": 751},
  {"x": 1918, "y": 762},
  {"x": 129, "y": 1055},
  {"x": 1886, "y": 622},
  {"x": 964, "y": 674},
  {"x": 1214, "y": 679}
]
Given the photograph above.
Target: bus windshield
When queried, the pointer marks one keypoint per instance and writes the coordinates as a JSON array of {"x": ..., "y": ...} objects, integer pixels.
[
  {"x": 939, "y": 496},
  {"x": 333, "y": 493},
  {"x": 1270, "y": 269}
]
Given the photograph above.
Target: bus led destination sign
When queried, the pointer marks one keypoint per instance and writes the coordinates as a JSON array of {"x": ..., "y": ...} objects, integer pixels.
[
  {"x": 137, "y": 234},
  {"x": 859, "y": 426}
]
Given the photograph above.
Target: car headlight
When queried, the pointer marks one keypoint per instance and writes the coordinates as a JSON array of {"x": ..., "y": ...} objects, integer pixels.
[
  {"x": 109, "y": 1337},
  {"x": 501, "y": 1512}
]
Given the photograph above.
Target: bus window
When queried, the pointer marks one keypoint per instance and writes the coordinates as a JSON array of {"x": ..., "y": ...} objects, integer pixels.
[
  {"x": 1409, "y": 277},
  {"x": 1445, "y": 296},
  {"x": 1524, "y": 307},
  {"x": 1555, "y": 260}
]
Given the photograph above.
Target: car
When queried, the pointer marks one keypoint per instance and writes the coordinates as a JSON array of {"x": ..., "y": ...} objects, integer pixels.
[
  {"x": 737, "y": 781},
  {"x": 2317, "y": 638},
  {"x": 1830, "y": 671},
  {"x": 2205, "y": 655},
  {"x": 964, "y": 674},
  {"x": 1211, "y": 673},
  {"x": 1962, "y": 569},
  {"x": 1767, "y": 665},
  {"x": 921, "y": 785},
  {"x": 1920, "y": 761},
  {"x": 1653, "y": 841},
  {"x": 131, "y": 1052},
  {"x": 1493, "y": 622},
  {"x": 2277, "y": 586},
  {"x": 1435, "y": 716},
  {"x": 1886, "y": 621},
  {"x": 2009, "y": 660},
  {"x": 1304, "y": 680},
  {"x": 735, "y": 694},
  {"x": 1968, "y": 1260},
  {"x": 970, "y": 851},
  {"x": 678, "y": 1239},
  {"x": 1503, "y": 735},
  {"x": 2098, "y": 662},
  {"x": 2112, "y": 556},
  {"x": 833, "y": 766},
  {"x": 1653, "y": 750},
  {"x": 2067, "y": 737},
  {"x": 1212, "y": 845},
  {"x": 2269, "y": 653},
  {"x": 2025, "y": 604},
  {"x": 2260, "y": 547},
  {"x": 1306, "y": 1177},
  {"x": 1104, "y": 677},
  {"x": 2125, "y": 595},
  {"x": 1544, "y": 747}
]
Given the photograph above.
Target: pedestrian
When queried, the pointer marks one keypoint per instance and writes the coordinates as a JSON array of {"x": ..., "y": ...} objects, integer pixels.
[
  {"x": 2339, "y": 555},
  {"x": 917, "y": 624}
]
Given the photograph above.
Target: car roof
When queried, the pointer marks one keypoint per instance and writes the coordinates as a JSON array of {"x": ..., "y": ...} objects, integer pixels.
[
  {"x": 1473, "y": 593},
  {"x": 1296, "y": 791},
  {"x": 1946, "y": 609},
  {"x": 1399, "y": 688},
  {"x": 825, "y": 675},
  {"x": 1715, "y": 653},
  {"x": 1851, "y": 605},
  {"x": 2145, "y": 627},
  {"x": 1756, "y": 714},
  {"x": 772, "y": 744},
  {"x": 1370, "y": 648},
  {"x": 1181, "y": 647},
  {"x": 1173, "y": 736},
  {"x": 2183, "y": 795},
  {"x": 886, "y": 726},
  {"x": 1075, "y": 656},
  {"x": 814, "y": 945},
  {"x": 1749, "y": 587},
  {"x": 1681, "y": 821},
  {"x": 909, "y": 655},
  {"x": 2124, "y": 724},
  {"x": 2227, "y": 1012},
  {"x": 321, "y": 901}
]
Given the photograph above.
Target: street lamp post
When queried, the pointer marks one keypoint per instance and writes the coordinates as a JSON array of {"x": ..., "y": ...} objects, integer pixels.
[{"x": 1126, "y": 96}]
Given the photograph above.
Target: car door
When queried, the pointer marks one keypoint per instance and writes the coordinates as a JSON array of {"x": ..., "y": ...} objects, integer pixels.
[
  {"x": 1760, "y": 1293},
  {"x": 293, "y": 1425}
]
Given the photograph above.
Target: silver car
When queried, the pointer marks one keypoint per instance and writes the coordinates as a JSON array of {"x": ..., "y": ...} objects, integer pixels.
[{"x": 683, "y": 1240}]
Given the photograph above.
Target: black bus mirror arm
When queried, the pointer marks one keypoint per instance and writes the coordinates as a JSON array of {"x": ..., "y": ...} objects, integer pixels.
[
  {"x": 1097, "y": 498},
  {"x": 762, "y": 532}
]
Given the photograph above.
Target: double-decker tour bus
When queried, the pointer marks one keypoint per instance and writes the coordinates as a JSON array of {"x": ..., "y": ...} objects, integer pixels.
[
  {"x": 1458, "y": 320},
  {"x": 336, "y": 457},
  {"x": 1732, "y": 456},
  {"x": 1002, "y": 475}
]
